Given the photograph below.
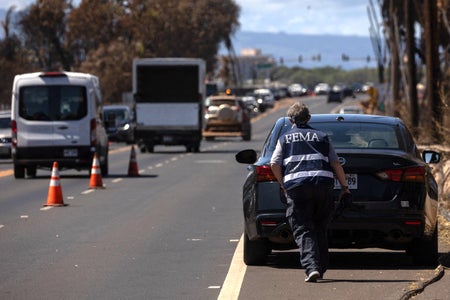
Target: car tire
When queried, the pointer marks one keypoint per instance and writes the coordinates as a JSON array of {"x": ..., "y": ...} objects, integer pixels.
[
  {"x": 425, "y": 251},
  {"x": 255, "y": 252},
  {"x": 19, "y": 171}
]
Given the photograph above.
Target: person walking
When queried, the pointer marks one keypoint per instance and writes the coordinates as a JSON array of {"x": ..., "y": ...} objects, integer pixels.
[{"x": 303, "y": 163}]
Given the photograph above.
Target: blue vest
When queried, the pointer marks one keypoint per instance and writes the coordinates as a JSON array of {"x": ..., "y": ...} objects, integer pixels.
[{"x": 305, "y": 152}]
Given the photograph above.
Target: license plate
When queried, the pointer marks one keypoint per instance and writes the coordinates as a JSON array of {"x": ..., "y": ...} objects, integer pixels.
[
  {"x": 70, "y": 152},
  {"x": 352, "y": 182}
]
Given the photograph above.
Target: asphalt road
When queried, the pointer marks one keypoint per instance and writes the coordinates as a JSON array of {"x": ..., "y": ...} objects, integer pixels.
[{"x": 172, "y": 233}]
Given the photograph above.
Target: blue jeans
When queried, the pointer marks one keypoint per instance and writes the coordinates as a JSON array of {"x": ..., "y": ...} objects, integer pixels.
[{"x": 309, "y": 212}]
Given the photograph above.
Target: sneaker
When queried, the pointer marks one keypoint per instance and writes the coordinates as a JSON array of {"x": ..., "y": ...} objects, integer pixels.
[{"x": 312, "y": 277}]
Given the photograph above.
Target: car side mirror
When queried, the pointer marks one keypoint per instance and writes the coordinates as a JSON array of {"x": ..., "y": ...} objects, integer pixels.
[
  {"x": 247, "y": 156},
  {"x": 431, "y": 157}
]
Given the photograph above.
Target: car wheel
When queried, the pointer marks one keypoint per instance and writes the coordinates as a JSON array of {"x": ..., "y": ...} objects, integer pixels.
[
  {"x": 209, "y": 138},
  {"x": 425, "y": 251},
  {"x": 255, "y": 252},
  {"x": 19, "y": 171}
]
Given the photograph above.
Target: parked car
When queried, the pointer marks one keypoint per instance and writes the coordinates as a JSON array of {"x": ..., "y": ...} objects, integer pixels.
[
  {"x": 5, "y": 134},
  {"x": 226, "y": 116},
  {"x": 120, "y": 123},
  {"x": 395, "y": 196},
  {"x": 265, "y": 98}
]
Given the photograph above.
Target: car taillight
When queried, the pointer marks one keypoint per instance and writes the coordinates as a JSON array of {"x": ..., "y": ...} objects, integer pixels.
[
  {"x": 93, "y": 133},
  {"x": 412, "y": 174},
  {"x": 264, "y": 173},
  {"x": 14, "y": 133}
]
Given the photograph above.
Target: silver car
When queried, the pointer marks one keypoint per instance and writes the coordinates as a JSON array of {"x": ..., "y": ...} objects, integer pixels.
[{"x": 5, "y": 134}]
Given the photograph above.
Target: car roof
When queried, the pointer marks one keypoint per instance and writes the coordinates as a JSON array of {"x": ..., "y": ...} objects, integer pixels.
[{"x": 355, "y": 118}]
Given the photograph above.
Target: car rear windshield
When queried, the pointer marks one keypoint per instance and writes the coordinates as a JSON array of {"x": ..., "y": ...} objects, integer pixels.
[
  {"x": 218, "y": 102},
  {"x": 53, "y": 102},
  {"x": 360, "y": 135}
]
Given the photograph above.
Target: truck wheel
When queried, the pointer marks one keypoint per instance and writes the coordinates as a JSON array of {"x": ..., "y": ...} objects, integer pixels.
[
  {"x": 19, "y": 171},
  {"x": 31, "y": 171},
  {"x": 196, "y": 147}
]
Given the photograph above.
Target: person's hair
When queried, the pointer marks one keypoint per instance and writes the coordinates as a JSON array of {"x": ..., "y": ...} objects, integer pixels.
[{"x": 299, "y": 113}]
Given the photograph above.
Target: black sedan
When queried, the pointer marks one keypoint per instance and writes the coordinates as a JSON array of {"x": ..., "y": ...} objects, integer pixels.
[{"x": 395, "y": 196}]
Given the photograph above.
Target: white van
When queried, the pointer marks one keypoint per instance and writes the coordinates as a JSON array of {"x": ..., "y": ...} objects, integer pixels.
[{"x": 57, "y": 116}]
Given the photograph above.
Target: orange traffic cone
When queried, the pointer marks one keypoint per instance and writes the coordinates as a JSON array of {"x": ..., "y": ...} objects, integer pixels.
[
  {"x": 96, "y": 176},
  {"x": 133, "y": 170},
  {"x": 55, "y": 197}
]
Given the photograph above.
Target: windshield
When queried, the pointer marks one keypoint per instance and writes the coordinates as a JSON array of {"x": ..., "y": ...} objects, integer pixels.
[
  {"x": 53, "y": 102},
  {"x": 360, "y": 135}
]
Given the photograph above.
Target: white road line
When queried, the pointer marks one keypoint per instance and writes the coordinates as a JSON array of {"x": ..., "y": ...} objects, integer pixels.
[
  {"x": 117, "y": 180},
  {"x": 87, "y": 192},
  {"x": 46, "y": 208},
  {"x": 233, "y": 282},
  {"x": 1, "y": 226}
]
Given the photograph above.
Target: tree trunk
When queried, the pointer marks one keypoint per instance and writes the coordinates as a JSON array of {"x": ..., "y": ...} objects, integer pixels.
[
  {"x": 411, "y": 64},
  {"x": 432, "y": 67}
]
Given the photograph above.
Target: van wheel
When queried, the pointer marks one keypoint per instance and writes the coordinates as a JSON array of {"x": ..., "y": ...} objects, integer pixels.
[
  {"x": 104, "y": 168},
  {"x": 19, "y": 171}
]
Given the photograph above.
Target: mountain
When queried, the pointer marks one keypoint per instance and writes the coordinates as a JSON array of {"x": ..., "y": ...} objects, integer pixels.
[{"x": 290, "y": 46}]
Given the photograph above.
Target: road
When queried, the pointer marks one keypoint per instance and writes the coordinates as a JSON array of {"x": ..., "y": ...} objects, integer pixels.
[{"x": 172, "y": 233}]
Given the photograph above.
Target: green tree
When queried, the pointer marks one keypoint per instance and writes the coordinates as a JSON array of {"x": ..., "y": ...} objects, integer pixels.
[{"x": 43, "y": 26}]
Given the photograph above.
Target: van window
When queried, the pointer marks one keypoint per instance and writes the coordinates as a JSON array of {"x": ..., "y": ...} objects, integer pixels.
[{"x": 53, "y": 102}]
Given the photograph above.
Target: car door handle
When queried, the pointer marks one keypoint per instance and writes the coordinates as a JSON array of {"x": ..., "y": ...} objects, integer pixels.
[{"x": 63, "y": 127}]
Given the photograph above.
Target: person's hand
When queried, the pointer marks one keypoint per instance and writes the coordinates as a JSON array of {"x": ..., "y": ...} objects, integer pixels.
[{"x": 344, "y": 190}]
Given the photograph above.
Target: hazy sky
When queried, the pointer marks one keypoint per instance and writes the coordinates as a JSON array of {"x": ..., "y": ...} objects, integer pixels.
[{"x": 346, "y": 17}]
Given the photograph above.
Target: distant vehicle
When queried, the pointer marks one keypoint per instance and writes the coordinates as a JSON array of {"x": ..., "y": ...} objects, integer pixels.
[
  {"x": 5, "y": 134},
  {"x": 297, "y": 90},
  {"x": 395, "y": 196},
  {"x": 322, "y": 88},
  {"x": 119, "y": 123},
  {"x": 351, "y": 109},
  {"x": 251, "y": 104},
  {"x": 336, "y": 94},
  {"x": 169, "y": 93},
  {"x": 56, "y": 116},
  {"x": 265, "y": 98},
  {"x": 226, "y": 116}
]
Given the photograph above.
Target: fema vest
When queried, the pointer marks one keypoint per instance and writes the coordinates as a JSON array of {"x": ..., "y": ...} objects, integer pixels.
[{"x": 305, "y": 152}]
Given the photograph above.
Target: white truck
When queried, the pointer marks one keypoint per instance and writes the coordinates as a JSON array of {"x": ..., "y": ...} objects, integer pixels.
[{"x": 169, "y": 99}]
